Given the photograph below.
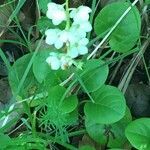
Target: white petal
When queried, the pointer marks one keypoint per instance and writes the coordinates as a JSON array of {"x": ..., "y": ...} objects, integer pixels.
[
  {"x": 81, "y": 33},
  {"x": 48, "y": 60},
  {"x": 73, "y": 38},
  {"x": 52, "y": 6},
  {"x": 49, "y": 14},
  {"x": 55, "y": 65},
  {"x": 83, "y": 41},
  {"x": 77, "y": 31},
  {"x": 81, "y": 17},
  {"x": 56, "y": 22},
  {"x": 85, "y": 9},
  {"x": 51, "y": 36},
  {"x": 73, "y": 52},
  {"x": 58, "y": 17},
  {"x": 81, "y": 14},
  {"x": 54, "y": 62},
  {"x": 82, "y": 50},
  {"x": 53, "y": 54},
  {"x": 56, "y": 12},
  {"x": 64, "y": 36},
  {"x": 49, "y": 41},
  {"x": 58, "y": 44},
  {"x": 73, "y": 13},
  {"x": 65, "y": 62},
  {"x": 86, "y": 26}
]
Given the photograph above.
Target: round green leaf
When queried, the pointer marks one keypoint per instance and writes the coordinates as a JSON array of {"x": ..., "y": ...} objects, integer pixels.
[
  {"x": 5, "y": 141},
  {"x": 61, "y": 110},
  {"x": 126, "y": 34},
  {"x": 98, "y": 132},
  {"x": 55, "y": 100},
  {"x": 71, "y": 118},
  {"x": 116, "y": 149},
  {"x": 40, "y": 67},
  {"x": 43, "y": 5},
  {"x": 69, "y": 104},
  {"x": 86, "y": 147},
  {"x": 118, "y": 130},
  {"x": 147, "y": 2},
  {"x": 45, "y": 23},
  {"x": 95, "y": 74},
  {"x": 138, "y": 133},
  {"x": 109, "y": 106},
  {"x": 16, "y": 74}
]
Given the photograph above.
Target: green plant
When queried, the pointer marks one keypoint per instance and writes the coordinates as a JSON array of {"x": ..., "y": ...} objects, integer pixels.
[{"x": 62, "y": 95}]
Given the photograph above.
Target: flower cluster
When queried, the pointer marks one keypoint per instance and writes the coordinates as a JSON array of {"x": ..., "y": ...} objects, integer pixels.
[
  {"x": 59, "y": 61},
  {"x": 72, "y": 38}
]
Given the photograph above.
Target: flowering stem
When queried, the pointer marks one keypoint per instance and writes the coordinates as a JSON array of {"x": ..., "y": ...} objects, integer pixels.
[
  {"x": 67, "y": 14},
  {"x": 68, "y": 21},
  {"x": 92, "y": 15}
]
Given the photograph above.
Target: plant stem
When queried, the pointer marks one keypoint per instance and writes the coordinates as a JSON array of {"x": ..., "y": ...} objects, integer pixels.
[
  {"x": 67, "y": 14},
  {"x": 105, "y": 54},
  {"x": 92, "y": 15},
  {"x": 51, "y": 139},
  {"x": 76, "y": 133},
  {"x": 34, "y": 124}
]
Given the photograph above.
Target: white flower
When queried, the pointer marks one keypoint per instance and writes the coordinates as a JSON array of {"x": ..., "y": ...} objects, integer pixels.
[
  {"x": 78, "y": 48},
  {"x": 80, "y": 14},
  {"x": 64, "y": 36},
  {"x": 66, "y": 62},
  {"x": 57, "y": 61},
  {"x": 73, "y": 51},
  {"x": 73, "y": 38},
  {"x": 83, "y": 27},
  {"x": 53, "y": 61},
  {"x": 56, "y": 12},
  {"x": 52, "y": 37},
  {"x": 75, "y": 34}
]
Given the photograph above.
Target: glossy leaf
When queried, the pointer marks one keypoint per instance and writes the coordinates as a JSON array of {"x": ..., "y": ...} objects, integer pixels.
[
  {"x": 5, "y": 141},
  {"x": 96, "y": 131},
  {"x": 61, "y": 110},
  {"x": 116, "y": 135},
  {"x": 95, "y": 74},
  {"x": 147, "y": 2},
  {"x": 43, "y": 5},
  {"x": 40, "y": 67},
  {"x": 118, "y": 131},
  {"x": 86, "y": 147},
  {"x": 65, "y": 105},
  {"x": 44, "y": 23},
  {"x": 109, "y": 106},
  {"x": 138, "y": 133},
  {"x": 16, "y": 74},
  {"x": 126, "y": 34}
]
